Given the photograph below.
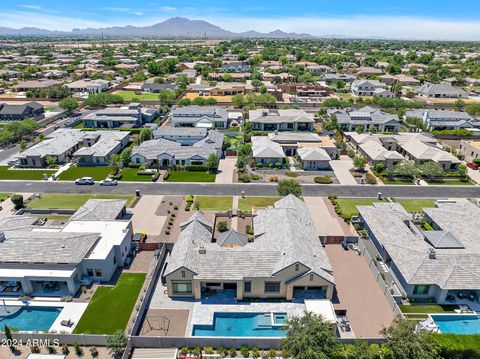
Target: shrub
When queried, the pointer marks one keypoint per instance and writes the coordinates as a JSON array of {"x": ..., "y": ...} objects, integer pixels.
[
  {"x": 78, "y": 349},
  {"x": 35, "y": 349},
  {"x": 165, "y": 177},
  {"x": 273, "y": 179},
  {"x": 65, "y": 350},
  {"x": 245, "y": 178},
  {"x": 255, "y": 177},
  {"x": 222, "y": 226},
  {"x": 272, "y": 353},
  {"x": 190, "y": 199},
  {"x": 208, "y": 350},
  {"x": 94, "y": 352},
  {"x": 245, "y": 351},
  {"x": 458, "y": 346},
  {"x": 351, "y": 153},
  {"x": 379, "y": 167},
  {"x": 232, "y": 352},
  {"x": 255, "y": 353},
  {"x": 370, "y": 178},
  {"x": 248, "y": 229},
  {"x": 323, "y": 179},
  {"x": 17, "y": 200},
  {"x": 196, "y": 168},
  {"x": 292, "y": 174}
]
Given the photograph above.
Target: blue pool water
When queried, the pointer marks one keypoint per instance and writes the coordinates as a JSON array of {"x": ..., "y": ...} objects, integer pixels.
[
  {"x": 243, "y": 325},
  {"x": 458, "y": 324},
  {"x": 30, "y": 319}
]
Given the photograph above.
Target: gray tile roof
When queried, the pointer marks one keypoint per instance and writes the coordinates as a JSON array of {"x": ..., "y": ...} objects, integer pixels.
[
  {"x": 280, "y": 116},
  {"x": 429, "y": 89},
  {"x": 365, "y": 115},
  {"x": 263, "y": 147},
  {"x": 99, "y": 210},
  {"x": 313, "y": 154},
  {"x": 453, "y": 267},
  {"x": 284, "y": 235},
  {"x": 232, "y": 238}
]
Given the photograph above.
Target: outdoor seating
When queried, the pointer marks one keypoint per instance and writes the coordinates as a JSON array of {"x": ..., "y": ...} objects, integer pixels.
[{"x": 66, "y": 323}]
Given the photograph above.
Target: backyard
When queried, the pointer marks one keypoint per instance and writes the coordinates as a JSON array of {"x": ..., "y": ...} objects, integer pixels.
[
  {"x": 214, "y": 203},
  {"x": 348, "y": 206},
  {"x": 20, "y": 174},
  {"x": 128, "y": 96},
  {"x": 416, "y": 205},
  {"x": 416, "y": 312},
  {"x": 246, "y": 204},
  {"x": 72, "y": 201},
  {"x": 111, "y": 307},
  {"x": 98, "y": 173},
  {"x": 186, "y": 176}
]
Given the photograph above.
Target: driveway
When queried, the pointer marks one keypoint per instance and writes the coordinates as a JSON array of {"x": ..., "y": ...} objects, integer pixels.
[
  {"x": 342, "y": 168},
  {"x": 226, "y": 167},
  {"x": 144, "y": 218},
  {"x": 326, "y": 221},
  {"x": 358, "y": 292},
  {"x": 474, "y": 175}
]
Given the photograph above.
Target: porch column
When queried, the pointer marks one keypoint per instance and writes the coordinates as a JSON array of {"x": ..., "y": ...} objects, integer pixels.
[
  {"x": 329, "y": 294},
  {"x": 289, "y": 292},
  {"x": 27, "y": 286},
  {"x": 239, "y": 290},
  {"x": 197, "y": 292},
  {"x": 72, "y": 288}
]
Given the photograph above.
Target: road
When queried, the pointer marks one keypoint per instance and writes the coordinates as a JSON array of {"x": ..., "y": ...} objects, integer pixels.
[{"x": 264, "y": 189}]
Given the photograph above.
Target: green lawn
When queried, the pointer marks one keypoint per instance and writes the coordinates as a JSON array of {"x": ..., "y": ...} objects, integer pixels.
[
  {"x": 130, "y": 174},
  {"x": 453, "y": 182},
  {"x": 4, "y": 196},
  {"x": 6, "y": 174},
  {"x": 130, "y": 95},
  {"x": 348, "y": 206},
  {"x": 214, "y": 203},
  {"x": 185, "y": 176},
  {"x": 72, "y": 201},
  {"x": 427, "y": 308},
  {"x": 110, "y": 308},
  {"x": 416, "y": 205},
  {"x": 98, "y": 173},
  {"x": 397, "y": 182},
  {"x": 246, "y": 204}
]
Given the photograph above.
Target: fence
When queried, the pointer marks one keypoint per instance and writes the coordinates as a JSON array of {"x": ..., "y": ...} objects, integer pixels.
[{"x": 373, "y": 267}]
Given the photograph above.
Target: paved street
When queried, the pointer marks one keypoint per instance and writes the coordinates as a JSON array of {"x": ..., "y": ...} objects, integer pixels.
[{"x": 251, "y": 189}]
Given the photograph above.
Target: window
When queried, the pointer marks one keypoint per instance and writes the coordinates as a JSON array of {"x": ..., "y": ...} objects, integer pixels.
[
  {"x": 272, "y": 287},
  {"x": 98, "y": 272},
  {"x": 247, "y": 287},
  {"x": 311, "y": 277},
  {"x": 115, "y": 260},
  {"x": 90, "y": 272},
  {"x": 183, "y": 274},
  {"x": 182, "y": 287},
  {"x": 297, "y": 267},
  {"x": 421, "y": 289}
]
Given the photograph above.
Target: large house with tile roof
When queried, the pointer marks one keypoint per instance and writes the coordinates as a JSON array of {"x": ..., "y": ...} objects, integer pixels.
[{"x": 284, "y": 256}]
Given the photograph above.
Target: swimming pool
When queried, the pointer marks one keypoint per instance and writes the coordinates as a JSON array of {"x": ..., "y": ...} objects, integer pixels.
[
  {"x": 29, "y": 318},
  {"x": 458, "y": 324},
  {"x": 243, "y": 325}
]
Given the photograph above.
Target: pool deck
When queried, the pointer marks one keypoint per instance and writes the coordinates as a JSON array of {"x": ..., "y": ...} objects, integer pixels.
[
  {"x": 202, "y": 314},
  {"x": 70, "y": 311}
]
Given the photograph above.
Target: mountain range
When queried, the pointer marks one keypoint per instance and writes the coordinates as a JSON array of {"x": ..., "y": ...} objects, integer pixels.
[{"x": 175, "y": 27}]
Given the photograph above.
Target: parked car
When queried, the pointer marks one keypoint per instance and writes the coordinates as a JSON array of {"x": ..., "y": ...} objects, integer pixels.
[
  {"x": 139, "y": 237},
  {"x": 109, "y": 182},
  {"x": 84, "y": 181},
  {"x": 472, "y": 165}
]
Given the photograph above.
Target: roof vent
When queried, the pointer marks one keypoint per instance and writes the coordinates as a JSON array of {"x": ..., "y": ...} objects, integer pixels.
[
  {"x": 432, "y": 254},
  {"x": 202, "y": 249}
]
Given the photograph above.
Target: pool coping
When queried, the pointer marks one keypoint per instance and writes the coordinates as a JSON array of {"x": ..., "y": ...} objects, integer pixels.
[
  {"x": 476, "y": 314},
  {"x": 70, "y": 311}
]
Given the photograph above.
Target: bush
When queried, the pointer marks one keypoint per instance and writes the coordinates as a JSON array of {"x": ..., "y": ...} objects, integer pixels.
[
  {"x": 245, "y": 351},
  {"x": 370, "y": 179},
  {"x": 190, "y": 199},
  {"x": 458, "y": 346},
  {"x": 248, "y": 229},
  {"x": 17, "y": 200},
  {"x": 379, "y": 167},
  {"x": 292, "y": 174},
  {"x": 273, "y": 179},
  {"x": 323, "y": 179},
  {"x": 196, "y": 168},
  {"x": 351, "y": 153},
  {"x": 245, "y": 178},
  {"x": 222, "y": 226},
  {"x": 232, "y": 352},
  {"x": 78, "y": 349},
  {"x": 165, "y": 177},
  {"x": 116, "y": 177}
]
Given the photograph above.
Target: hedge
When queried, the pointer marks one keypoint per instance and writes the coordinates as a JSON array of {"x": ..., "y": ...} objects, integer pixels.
[
  {"x": 458, "y": 346},
  {"x": 323, "y": 180},
  {"x": 196, "y": 168},
  {"x": 371, "y": 179}
]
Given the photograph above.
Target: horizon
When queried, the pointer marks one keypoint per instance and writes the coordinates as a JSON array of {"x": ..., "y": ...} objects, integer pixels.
[{"x": 439, "y": 20}]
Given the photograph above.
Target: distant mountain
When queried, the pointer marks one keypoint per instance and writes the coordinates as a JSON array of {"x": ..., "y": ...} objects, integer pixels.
[{"x": 174, "y": 27}]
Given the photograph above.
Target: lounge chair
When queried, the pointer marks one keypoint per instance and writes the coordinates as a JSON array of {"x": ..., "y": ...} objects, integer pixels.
[{"x": 66, "y": 323}]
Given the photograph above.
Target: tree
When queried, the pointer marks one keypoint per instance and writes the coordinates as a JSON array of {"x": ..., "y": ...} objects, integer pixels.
[
  {"x": 462, "y": 171},
  {"x": 23, "y": 145},
  {"x": 309, "y": 337},
  {"x": 289, "y": 186},
  {"x": 69, "y": 104},
  {"x": 166, "y": 97},
  {"x": 473, "y": 109},
  {"x": 222, "y": 226},
  {"x": 8, "y": 336},
  {"x": 212, "y": 163},
  {"x": 52, "y": 161},
  {"x": 459, "y": 104},
  {"x": 146, "y": 134},
  {"x": 126, "y": 155},
  {"x": 238, "y": 100},
  {"x": 330, "y": 124},
  {"x": 359, "y": 162},
  {"x": 116, "y": 343},
  {"x": 431, "y": 170},
  {"x": 405, "y": 169},
  {"x": 17, "y": 200},
  {"x": 404, "y": 342},
  {"x": 114, "y": 162}
]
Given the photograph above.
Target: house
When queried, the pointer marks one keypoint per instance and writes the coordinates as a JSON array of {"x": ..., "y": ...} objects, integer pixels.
[
  {"x": 292, "y": 141},
  {"x": 20, "y": 112},
  {"x": 332, "y": 78},
  {"x": 89, "y": 86},
  {"x": 430, "y": 90},
  {"x": 199, "y": 116},
  {"x": 442, "y": 119},
  {"x": 306, "y": 90},
  {"x": 281, "y": 120},
  {"x": 55, "y": 261},
  {"x": 319, "y": 69},
  {"x": 401, "y": 79},
  {"x": 397, "y": 147},
  {"x": 441, "y": 264},
  {"x": 315, "y": 159},
  {"x": 470, "y": 149},
  {"x": 284, "y": 258},
  {"x": 365, "y": 87},
  {"x": 234, "y": 66},
  {"x": 383, "y": 93},
  {"x": 35, "y": 85},
  {"x": 133, "y": 115},
  {"x": 171, "y": 147},
  {"x": 267, "y": 152},
  {"x": 369, "y": 71},
  {"x": 366, "y": 119},
  {"x": 155, "y": 87},
  {"x": 87, "y": 147}
]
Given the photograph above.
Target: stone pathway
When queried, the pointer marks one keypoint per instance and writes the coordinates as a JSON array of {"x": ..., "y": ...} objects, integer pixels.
[{"x": 235, "y": 219}]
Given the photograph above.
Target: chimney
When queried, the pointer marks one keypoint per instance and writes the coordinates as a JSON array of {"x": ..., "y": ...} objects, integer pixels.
[
  {"x": 432, "y": 254},
  {"x": 202, "y": 249}
]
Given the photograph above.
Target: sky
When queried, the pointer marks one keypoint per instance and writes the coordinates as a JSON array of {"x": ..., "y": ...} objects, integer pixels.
[{"x": 407, "y": 19}]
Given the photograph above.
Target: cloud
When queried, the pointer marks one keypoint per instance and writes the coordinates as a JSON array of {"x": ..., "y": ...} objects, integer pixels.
[
  {"x": 33, "y": 7},
  {"x": 168, "y": 8},
  {"x": 124, "y": 10}
]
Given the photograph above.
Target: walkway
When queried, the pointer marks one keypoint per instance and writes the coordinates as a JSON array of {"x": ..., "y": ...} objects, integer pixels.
[
  {"x": 8, "y": 208},
  {"x": 342, "y": 169},
  {"x": 474, "y": 175},
  {"x": 235, "y": 219},
  {"x": 144, "y": 218},
  {"x": 358, "y": 293},
  {"x": 324, "y": 217},
  {"x": 226, "y": 167}
]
